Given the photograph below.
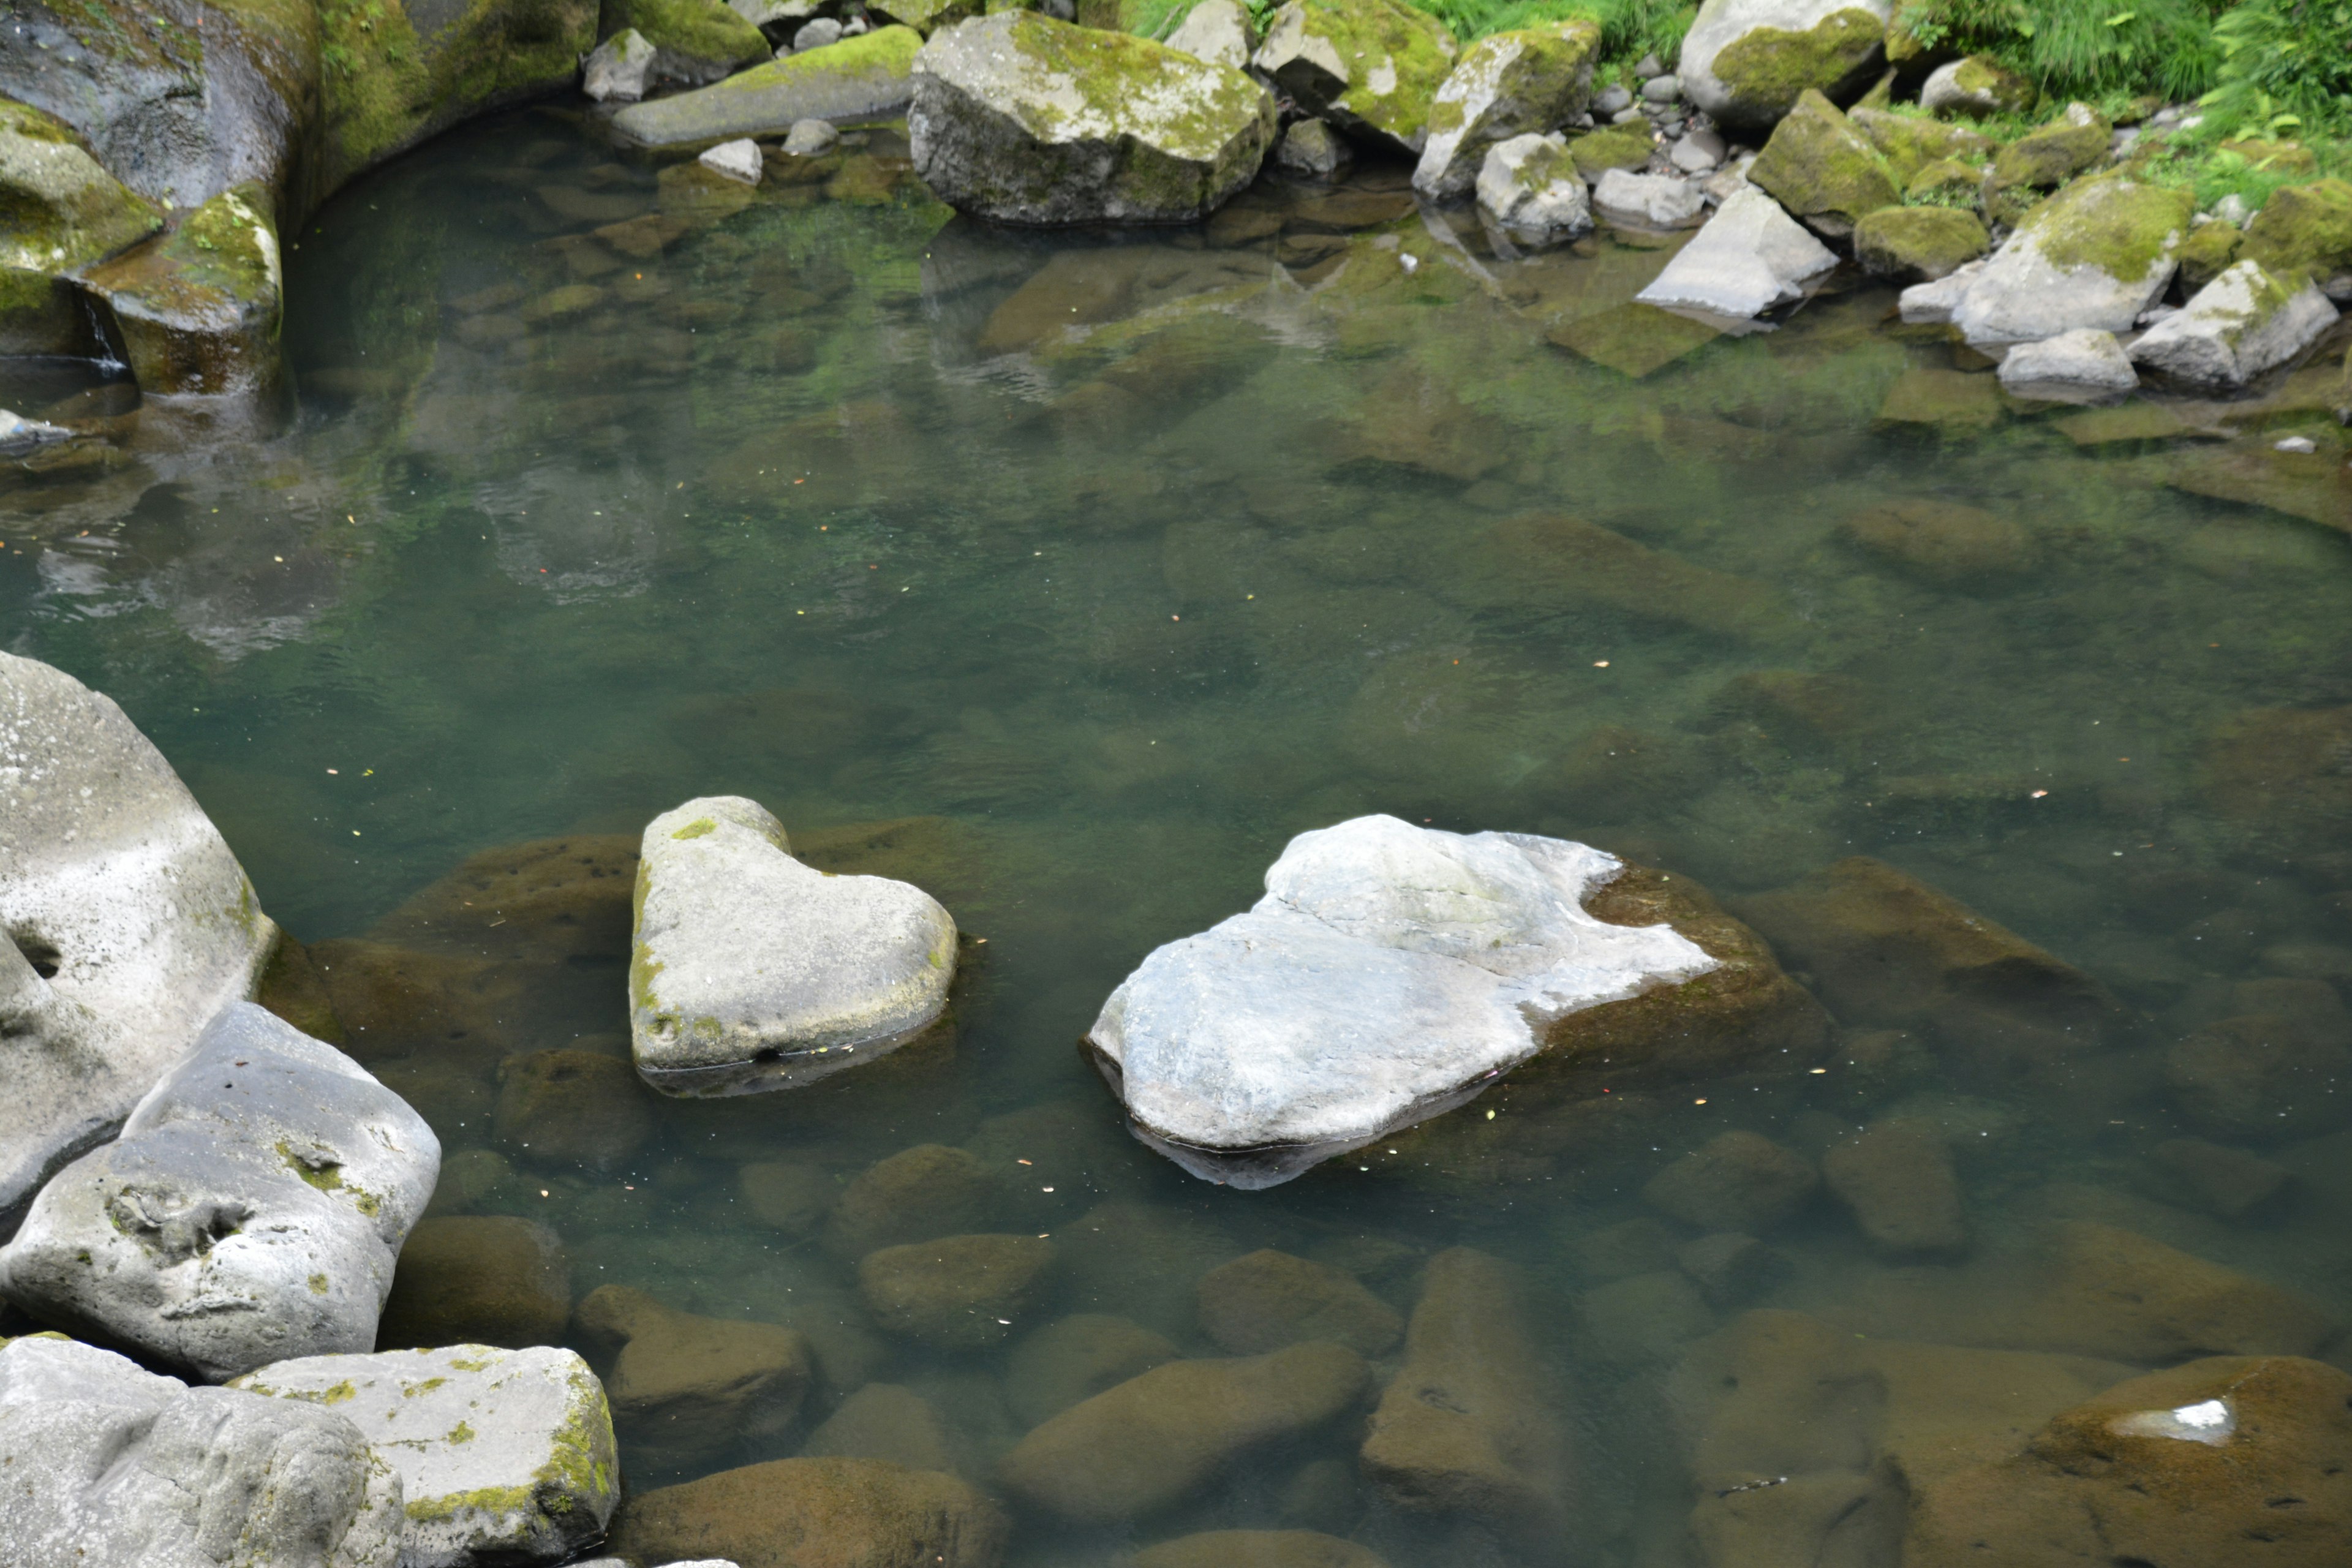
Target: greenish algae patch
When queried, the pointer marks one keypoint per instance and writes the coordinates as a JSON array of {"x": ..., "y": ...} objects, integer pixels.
[
  {"x": 1768, "y": 69},
  {"x": 701, "y": 30},
  {"x": 697, "y": 828},
  {"x": 2118, "y": 226},
  {"x": 2304, "y": 229}
]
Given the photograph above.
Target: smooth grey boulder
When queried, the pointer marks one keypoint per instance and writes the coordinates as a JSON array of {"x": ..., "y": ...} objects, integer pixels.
[
  {"x": 504, "y": 1456},
  {"x": 2095, "y": 254},
  {"x": 108, "y": 1466},
  {"x": 1750, "y": 256},
  {"x": 1527, "y": 81},
  {"x": 1745, "y": 62},
  {"x": 1021, "y": 118},
  {"x": 1935, "y": 302},
  {"x": 752, "y": 971},
  {"x": 2245, "y": 323},
  {"x": 816, "y": 35},
  {"x": 1217, "y": 31},
  {"x": 869, "y": 77},
  {"x": 1649, "y": 201},
  {"x": 252, "y": 1209},
  {"x": 2085, "y": 365},
  {"x": 1530, "y": 188},
  {"x": 1388, "y": 974},
  {"x": 128, "y": 922},
  {"x": 615, "y": 70}
]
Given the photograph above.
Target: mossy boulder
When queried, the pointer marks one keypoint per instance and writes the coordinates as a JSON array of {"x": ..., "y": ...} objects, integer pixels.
[
  {"x": 927, "y": 17},
  {"x": 1529, "y": 81},
  {"x": 2305, "y": 228},
  {"x": 1916, "y": 244},
  {"x": 1947, "y": 182},
  {"x": 2246, "y": 322},
  {"x": 1822, "y": 169},
  {"x": 198, "y": 308},
  {"x": 1748, "y": 62},
  {"x": 1619, "y": 147},
  {"x": 691, "y": 1387},
  {"x": 1978, "y": 88},
  {"x": 59, "y": 209},
  {"x": 2095, "y": 254},
  {"x": 817, "y": 1513},
  {"x": 695, "y": 41},
  {"x": 2045, "y": 158},
  {"x": 1372, "y": 68},
  {"x": 1023, "y": 119},
  {"x": 2208, "y": 251},
  {"x": 1909, "y": 143},
  {"x": 864, "y": 78}
]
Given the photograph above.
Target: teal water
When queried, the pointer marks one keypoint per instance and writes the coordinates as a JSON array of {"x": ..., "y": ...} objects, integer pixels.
[{"x": 1114, "y": 563}]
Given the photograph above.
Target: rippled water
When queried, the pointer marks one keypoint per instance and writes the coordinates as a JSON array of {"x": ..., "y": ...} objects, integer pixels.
[{"x": 1097, "y": 567}]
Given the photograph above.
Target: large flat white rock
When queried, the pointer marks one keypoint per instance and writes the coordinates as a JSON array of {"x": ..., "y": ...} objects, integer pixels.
[
  {"x": 1389, "y": 973},
  {"x": 1750, "y": 256}
]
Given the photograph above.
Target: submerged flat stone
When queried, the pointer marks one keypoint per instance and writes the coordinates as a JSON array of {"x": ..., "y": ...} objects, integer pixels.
[{"x": 1389, "y": 973}]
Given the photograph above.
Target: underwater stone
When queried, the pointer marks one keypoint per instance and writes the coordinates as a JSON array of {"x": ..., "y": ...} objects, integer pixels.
[
  {"x": 955, "y": 1292},
  {"x": 886, "y": 1421},
  {"x": 253, "y": 1207},
  {"x": 913, "y": 1195},
  {"x": 111, "y": 1464},
  {"x": 802, "y": 1513},
  {"x": 1389, "y": 973},
  {"x": 1529, "y": 185},
  {"x": 486, "y": 1279},
  {"x": 504, "y": 1454},
  {"x": 2261, "y": 1076},
  {"x": 1942, "y": 542},
  {"x": 752, "y": 971},
  {"x": 1371, "y": 67},
  {"x": 869, "y": 77},
  {"x": 128, "y": 924},
  {"x": 1897, "y": 1177},
  {"x": 1268, "y": 1299},
  {"x": 1258, "y": 1548},
  {"x": 2245, "y": 323},
  {"x": 1750, "y": 256},
  {"x": 2085, "y": 365},
  {"x": 1217, "y": 31},
  {"x": 688, "y": 1386},
  {"x": 1021, "y": 118},
  {"x": 1529, "y": 81},
  {"x": 1746, "y": 61},
  {"x": 1738, "y": 1181},
  {"x": 1073, "y": 1359},
  {"x": 2095, "y": 254},
  {"x": 572, "y": 1108}
]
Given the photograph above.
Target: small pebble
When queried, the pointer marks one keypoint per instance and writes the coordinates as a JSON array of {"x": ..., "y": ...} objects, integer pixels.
[
  {"x": 738, "y": 160},
  {"x": 816, "y": 35},
  {"x": 809, "y": 138},
  {"x": 2297, "y": 444}
]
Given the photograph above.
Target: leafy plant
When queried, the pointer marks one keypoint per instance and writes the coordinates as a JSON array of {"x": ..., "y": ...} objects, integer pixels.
[
  {"x": 2285, "y": 67},
  {"x": 2081, "y": 49}
]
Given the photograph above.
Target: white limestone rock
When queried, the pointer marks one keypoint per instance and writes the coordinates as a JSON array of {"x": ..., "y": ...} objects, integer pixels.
[
  {"x": 2085, "y": 365},
  {"x": 755, "y": 972},
  {"x": 1746, "y": 61},
  {"x": 1750, "y": 256},
  {"x": 1217, "y": 31},
  {"x": 1528, "y": 81},
  {"x": 1530, "y": 187},
  {"x": 1934, "y": 303},
  {"x": 1389, "y": 973},
  {"x": 2245, "y": 323},
  {"x": 504, "y": 1456},
  {"x": 252, "y": 1209},
  {"x": 128, "y": 922},
  {"x": 812, "y": 138},
  {"x": 738, "y": 160},
  {"x": 2063, "y": 270},
  {"x": 109, "y": 1466},
  {"x": 615, "y": 70},
  {"x": 1649, "y": 201}
]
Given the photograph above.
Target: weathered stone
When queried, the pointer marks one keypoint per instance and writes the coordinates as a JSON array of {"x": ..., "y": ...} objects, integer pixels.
[
  {"x": 1897, "y": 1177},
  {"x": 1979, "y": 88},
  {"x": 1737, "y": 1181},
  {"x": 2095, "y": 254},
  {"x": 817, "y": 1513},
  {"x": 865, "y": 77},
  {"x": 65, "y": 211},
  {"x": 1909, "y": 143},
  {"x": 2227, "y": 1183},
  {"x": 2262, "y": 1077},
  {"x": 1310, "y": 147},
  {"x": 107, "y": 1464},
  {"x": 1269, "y": 1300},
  {"x": 2045, "y": 158},
  {"x": 1919, "y": 243},
  {"x": 914, "y": 1194},
  {"x": 2189, "y": 1464},
  {"x": 955, "y": 1292},
  {"x": 1947, "y": 182},
  {"x": 1527, "y": 81},
  {"x": 2304, "y": 229},
  {"x": 1469, "y": 1429},
  {"x": 927, "y": 17},
  {"x": 1728, "y": 1267},
  {"x": 1220, "y": 1044},
  {"x": 740, "y": 159},
  {"x": 2207, "y": 252},
  {"x": 1258, "y": 1548},
  {"x": 1217, "y": 31},
  {"x": 2245, "y": 323},
  {"x": 253, "y": 1207},
  {"x": 129, "y": 923},
  {"x": 1823, "y": 170},
  {"x": 1021, "y": 118},
  {"x": 1529, "y": 185},
  {"x": 501, "y": 1455},
  {"x": 1942, "y": 542},
  {"x": 1749, "y": 258},
  {"x": 1935, "y": 304},
  {"x": 691, "y": 1387},
  {"x": 1372, "y": 68},
  {"x": 572, "y": 1108},
  {"x": 198, "y": 308},
  {"x": 753, "y": 971},
  {"x": 1747, "y": 62},
  {"x": 1157, "y": 1439},
  {"x": 695, "y": 41},
  {"x": 1649, "y": 201},
  {"x": 2085, "y": 365},
  {"x": 616, "y": 69},
  {"x": 1073, "y": 1359},
  {"x": 477, "y": 1278},
  {"x": 1886, "y": 949},
  {"x": 811, "y": 138}
]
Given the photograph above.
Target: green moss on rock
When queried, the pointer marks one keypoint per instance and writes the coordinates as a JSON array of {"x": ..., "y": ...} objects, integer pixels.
[
  {"x": 862, "y": 77},
  {"x": 1822, "y": 168},
  {"x": 1991, "y": 87},
  {"x": 1918, "y": 244},
  {"x": 2304, "y": 229},
  {"x": 1945, "y": 183},
  {"x": 1768, "y": 69},
  {"x": 198, "y": 308},
  {"x": 707, "y": 37},
  {"x": 2207, "y": 252},
  {"x": 1910, "y": 144},
  {"x": 2121, "y": 227},
  {"x": 2048, "y": 156},
  {"x": 927, "y": 17},
  {"x": 1370, "y": 67},
  {"x": 1619, "y": 147}
]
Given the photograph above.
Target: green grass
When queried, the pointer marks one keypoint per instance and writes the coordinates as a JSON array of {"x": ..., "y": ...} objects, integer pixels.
[
  {"x": 2083, "y": 48},
  {"x": 2286, "y": 68},
  {"x": 2197, "y": 162},
  {"x": 1628, "y": 28}
]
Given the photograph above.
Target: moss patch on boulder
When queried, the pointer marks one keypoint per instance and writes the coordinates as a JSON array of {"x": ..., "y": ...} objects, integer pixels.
[
  {"x": 59, "y": 209},
  {"x": 198, "y": 308},
  {"x": 1822, "y": 169},
  {"x": 1757, "y": 75},
  {"x": 2045, "y": 158},
  {"x": 1909, "y": 143},
  {"x": 860, "y": 78},
  {"x": 2303, "y": 228},
  {"x": 1619, "y": 147},
  {"x": 1919, "y": 243},
  {"x": 1527, "y": 81},
  {"x": 2207, "y": 252},
  {"x": 1372, "y": 68},
  {"x": 698, "y": 40}
]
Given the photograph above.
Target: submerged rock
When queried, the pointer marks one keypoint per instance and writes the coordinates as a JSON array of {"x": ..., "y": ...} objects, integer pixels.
[
  {"x": 956, "y": 1292},
  {"x": 1942, "y": 542},
  {"x": 502, "y": 1455},
  {"x": 1897, "y": 1177},
  {"x": 1529, "y": 185},
  {"x": 886, "y": 1421},
  {"x": 1073, "y": 1359},
  {"x": 692, "y": 1387},
  {"x": 1258, "y": 1548},
  {"x": 2261, "y": 1076},
  {"x": 1023, "y": 119},
  {"x": 1372, "y": 68},
  {"x": 914, "y": 1194},
  {"x": 1155, "y": 1440},
  {"x": 2085, "y": 365},
  {"x": 1467, "y": 1429},
  {"x": 866, "y": 78},
  {"x": 1268, "y": 1299},
  {"x": 2224, "y": 1182},
  {"x": 1738, "y": 1181},
  {"x": 2095, "y": 254},
  {"x": 2245, "y": 323},
  {"x": 485, "y": 1278},
  {"x": 1745, "y": 62},
  {"x": 129, "y": 923},
  {"x": 1527, "y": 81},
  {"x": 1389, "y": 973},
  {"x": 572, "y": 1108},
  {"x": 107, "y": 1464},
  {"x": 795, "y": 1513},
  {"x": 753, "y": 971},
  {"x": 252, "y": 1208},
  {"x": 1749, "y": 258}
]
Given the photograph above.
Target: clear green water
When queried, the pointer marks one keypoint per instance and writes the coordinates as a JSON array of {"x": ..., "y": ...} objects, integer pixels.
[{"x": 1128, "y": 559}]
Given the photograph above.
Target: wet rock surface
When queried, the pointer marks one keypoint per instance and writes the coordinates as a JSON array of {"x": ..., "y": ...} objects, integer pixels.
[
  {"x": 860, "y": 1513},
  {"x": 491, "y": 1279},
  {"x": 1739, "y": 1181},
  {"x": 1269, "y": 1300},
  {"x": 690, "y": 1387},
  {"x": 1897, "y": 1178}
]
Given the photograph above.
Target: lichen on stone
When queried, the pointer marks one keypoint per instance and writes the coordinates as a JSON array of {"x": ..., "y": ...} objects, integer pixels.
[
  {"x": 1768, "y": 69},
  {"x": 2119, "y": 225}
]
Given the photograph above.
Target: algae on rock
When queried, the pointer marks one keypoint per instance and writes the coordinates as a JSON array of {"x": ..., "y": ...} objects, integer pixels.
[
  {"x": 1822, "y": 169},
  {"x": 1747, "y": 62},
  {"x": 1372, "y": 68},
  {"x": 1529, "y": 81}
]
